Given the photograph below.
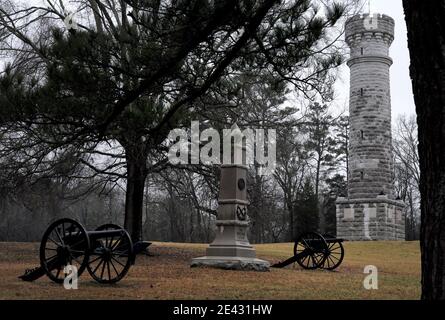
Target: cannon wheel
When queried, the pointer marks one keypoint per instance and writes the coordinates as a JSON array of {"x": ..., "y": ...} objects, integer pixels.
[
  {"x": 65, "y": 242},
  {"x": 336, "y": 253},
  {"x": 311, "y": 250},
  {"x": 111, "y": 257}
]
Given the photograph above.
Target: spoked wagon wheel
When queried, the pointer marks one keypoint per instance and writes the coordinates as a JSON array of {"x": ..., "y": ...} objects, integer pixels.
[
  {"x": 111, "y": 256},
  {"x": 311, "y": 249},
  {"x": 335, "y": 255},
  {"x": 65, "y": 242}
]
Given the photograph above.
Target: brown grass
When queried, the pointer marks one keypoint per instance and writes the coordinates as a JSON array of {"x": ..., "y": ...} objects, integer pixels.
[{"x": 167, "y": 275}]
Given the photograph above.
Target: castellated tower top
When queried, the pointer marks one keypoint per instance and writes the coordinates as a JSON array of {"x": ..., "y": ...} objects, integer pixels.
[
  {"x": 370, "y": 34},
  {"x": 370, "y": 23}
]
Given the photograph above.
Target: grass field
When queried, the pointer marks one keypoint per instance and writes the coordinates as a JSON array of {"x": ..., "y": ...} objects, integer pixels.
[{"x": 167, "y": 275}]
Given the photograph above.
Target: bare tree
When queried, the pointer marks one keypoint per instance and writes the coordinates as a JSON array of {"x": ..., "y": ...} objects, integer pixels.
[{"x": 407, "y": 171}]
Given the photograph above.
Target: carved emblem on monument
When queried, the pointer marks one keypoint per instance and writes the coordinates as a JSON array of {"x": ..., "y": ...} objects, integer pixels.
[
  {"x": 241, "y": 212},
  {"x": 241, "y": 184}
]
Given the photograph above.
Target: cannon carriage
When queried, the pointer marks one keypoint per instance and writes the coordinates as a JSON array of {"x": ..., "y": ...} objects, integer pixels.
[
  {"x": 314, "y": 251},
  {"x": 107, "y": 253}
]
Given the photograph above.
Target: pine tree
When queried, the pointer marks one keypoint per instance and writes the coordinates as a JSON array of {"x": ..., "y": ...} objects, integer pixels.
[{"x": 306, "y": 210}]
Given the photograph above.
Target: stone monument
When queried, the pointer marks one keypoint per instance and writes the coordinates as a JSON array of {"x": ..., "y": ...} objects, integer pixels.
[
  {"x": 370, "y": 211},
  {"x": 231, "y": 248}
]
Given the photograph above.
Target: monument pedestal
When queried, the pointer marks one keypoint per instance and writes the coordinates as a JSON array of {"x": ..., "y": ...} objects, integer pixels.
[{"x": 231, "y": 248}]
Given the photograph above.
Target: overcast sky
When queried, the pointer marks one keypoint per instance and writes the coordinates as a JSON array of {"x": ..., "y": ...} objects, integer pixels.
[{"x": 401, "y": 89}]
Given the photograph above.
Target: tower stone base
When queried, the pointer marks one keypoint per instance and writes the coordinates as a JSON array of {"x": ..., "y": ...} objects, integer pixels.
[{"x": 370, "y": 219}]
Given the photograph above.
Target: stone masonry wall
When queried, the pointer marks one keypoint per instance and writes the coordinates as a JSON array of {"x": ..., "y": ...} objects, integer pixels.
[{"x": 371, "y": 166}]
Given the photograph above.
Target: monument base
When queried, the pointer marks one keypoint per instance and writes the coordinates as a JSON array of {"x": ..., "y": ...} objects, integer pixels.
[
  {"x": 232, "y": 263},
  {"x": 231, "y": 250},
  {"x": 370, "y": 219}
]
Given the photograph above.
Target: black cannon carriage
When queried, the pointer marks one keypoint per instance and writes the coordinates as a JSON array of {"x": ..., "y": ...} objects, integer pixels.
[
  {"x": 107, "y": 253},
  {"x": 314, "y": 251}
]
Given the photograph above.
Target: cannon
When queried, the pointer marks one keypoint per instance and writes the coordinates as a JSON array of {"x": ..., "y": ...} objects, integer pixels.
[
  {"x": 107, "y": 253},
  {"x": 314, "y": 251}
]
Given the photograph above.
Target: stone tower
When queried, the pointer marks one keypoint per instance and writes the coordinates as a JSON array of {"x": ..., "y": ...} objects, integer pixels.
[{"x": 370, "y": 211}]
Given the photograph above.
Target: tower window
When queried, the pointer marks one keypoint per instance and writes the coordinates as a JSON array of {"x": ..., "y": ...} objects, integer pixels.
[
  {"x": 362, "y": 175},
  {"x": 362, "y": 134},
  {"x": 362, "y": 51},
  {"x": 362, "y": 91}
]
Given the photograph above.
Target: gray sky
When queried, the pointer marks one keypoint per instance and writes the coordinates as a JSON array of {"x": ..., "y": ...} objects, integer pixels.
[{"x": 401, "y": 88}]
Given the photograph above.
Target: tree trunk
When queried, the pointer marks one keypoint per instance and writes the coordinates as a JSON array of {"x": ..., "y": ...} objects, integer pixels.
[
  {"x": 199, "y": 226},
  {"x": 290, "y": 209},
  {"x": 347, "y": 156},
  {"x": 426, "y": 41},
  {"x": 321, "y": 218},
  {"x": 412, "y": 231},
  {"x": 134, "y": 196},
  {"x": 192, "y": 231}
]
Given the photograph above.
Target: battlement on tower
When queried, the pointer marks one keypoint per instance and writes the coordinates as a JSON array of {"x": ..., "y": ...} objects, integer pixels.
[{"x": 365, "y": 27}]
